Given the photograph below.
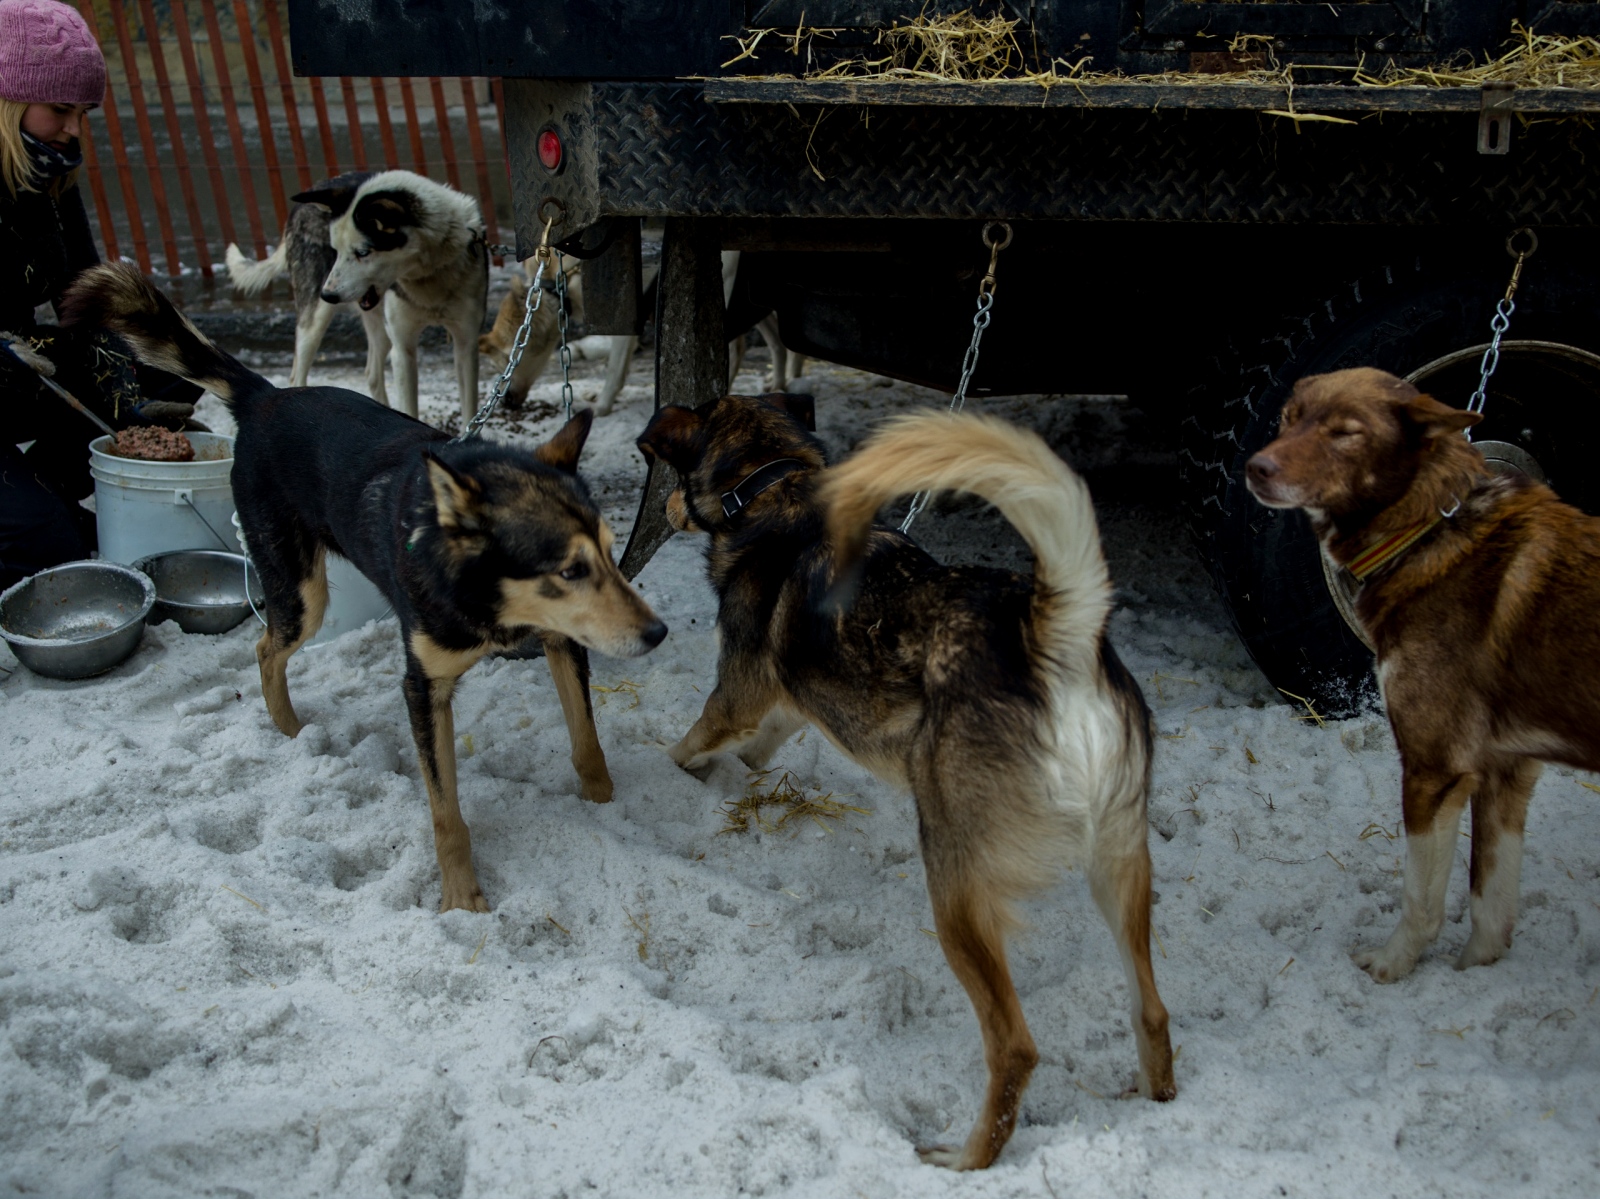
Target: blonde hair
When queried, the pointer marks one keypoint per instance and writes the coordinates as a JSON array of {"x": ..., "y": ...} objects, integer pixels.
[{"x": 16, "y": 168}]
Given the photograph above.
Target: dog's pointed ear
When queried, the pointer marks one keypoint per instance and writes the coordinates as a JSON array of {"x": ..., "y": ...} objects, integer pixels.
[
  {"x": 674, "y": 436},
  {"x": 798, "y": 405},
  {"x": 562, "y": 450},
  {"x": 457, "y": 498},
  {"x": 335, "y": 194},
  {"x": 1434, "y": 419}
]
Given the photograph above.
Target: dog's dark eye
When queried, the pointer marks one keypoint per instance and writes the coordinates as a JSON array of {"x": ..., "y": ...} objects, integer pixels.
[
  {"x": 1347, "y": 431},
  {"x": 577, "y": 570}
]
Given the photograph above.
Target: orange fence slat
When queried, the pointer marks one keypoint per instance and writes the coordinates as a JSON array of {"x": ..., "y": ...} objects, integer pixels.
[
  {"x": 380, "y": 97},
  {"x": 319, "y": 101},
  {"x": 447, "y": 143},
  {"x": 258, "y": 94},
  {"x": 97, "y": 186},
  {"x": 291, "y": 109},
  {"x": 180, "y": 154},
  {"x": 352, "y": 116},
  {"x": 130, "y": 197},
  {"x": 147, "y": 138},
  {"x": 408, "y": 97},
  {"x": 480, "y": 163},
  {"x": 202, "y": 121},
  {"x": 230, "y": 108}
]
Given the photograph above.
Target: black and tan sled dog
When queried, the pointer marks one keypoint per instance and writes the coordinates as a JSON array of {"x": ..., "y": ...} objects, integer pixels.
[
  {"x": 996, "y": 698},
  {"x": 476, "y": 545}
]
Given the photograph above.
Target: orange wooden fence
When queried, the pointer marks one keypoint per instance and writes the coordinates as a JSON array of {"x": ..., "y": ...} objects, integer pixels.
[{"x": 231, "y": 144}]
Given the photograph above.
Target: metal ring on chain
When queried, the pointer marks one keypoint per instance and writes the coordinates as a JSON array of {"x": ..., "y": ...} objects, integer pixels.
[{"x": 1533, "y": 243}]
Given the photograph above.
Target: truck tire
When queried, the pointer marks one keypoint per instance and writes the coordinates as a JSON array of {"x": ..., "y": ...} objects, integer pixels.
[{"x": 1422, "y": 321}]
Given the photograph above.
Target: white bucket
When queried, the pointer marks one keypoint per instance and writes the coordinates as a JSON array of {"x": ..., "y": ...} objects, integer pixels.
[
  {"x": 143, "y": 508},
  {"x": 353, "y": 599}
]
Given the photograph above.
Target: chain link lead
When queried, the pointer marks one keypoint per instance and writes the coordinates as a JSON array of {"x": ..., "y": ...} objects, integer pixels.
[
  {"x": 543, "y": 255},
  {"x": 997, "y": 236},
  {"x": 1501, "y": 321},
  {"x": 565, "y": 352}
]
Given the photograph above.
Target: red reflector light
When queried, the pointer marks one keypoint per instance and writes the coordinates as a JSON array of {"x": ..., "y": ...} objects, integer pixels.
[{"x": 550, "y": 150}]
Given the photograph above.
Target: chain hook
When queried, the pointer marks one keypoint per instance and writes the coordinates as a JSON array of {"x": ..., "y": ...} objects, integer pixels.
[
  {"x": 1501, "y": 321},
  {"x": 997, "y": 236}
]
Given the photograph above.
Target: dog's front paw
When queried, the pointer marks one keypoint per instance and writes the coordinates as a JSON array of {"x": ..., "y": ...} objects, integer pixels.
[
  {"x": 1483, "y": 948},
  {"x": 596, "y": 789},
  {"x": 1388, "y": 963},
  {"x": 697, "y": 764},
  {"x": 948, "y": 1156},
  {"x": 463, "y": 894}
]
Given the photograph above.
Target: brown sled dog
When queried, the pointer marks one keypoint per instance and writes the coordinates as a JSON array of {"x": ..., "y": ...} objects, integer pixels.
[
  {"x": 995, "y": 698},
  {"x": 1482, "y": 595}
]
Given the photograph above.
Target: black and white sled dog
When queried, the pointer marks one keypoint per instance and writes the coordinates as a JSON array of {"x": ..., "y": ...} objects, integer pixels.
[{"x": 406, "y": 251}]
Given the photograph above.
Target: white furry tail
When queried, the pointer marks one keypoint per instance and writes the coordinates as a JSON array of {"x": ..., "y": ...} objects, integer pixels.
[
  {"x": 1016, "y": 472},
  {"x": 253, "y": 278}
]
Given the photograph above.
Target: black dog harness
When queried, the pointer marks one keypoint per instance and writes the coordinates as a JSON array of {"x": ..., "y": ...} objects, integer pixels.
[{"x": 738, "y": 497}]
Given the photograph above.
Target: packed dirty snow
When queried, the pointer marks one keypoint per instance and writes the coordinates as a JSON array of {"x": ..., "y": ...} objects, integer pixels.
[{"x": 222, "y": 971}]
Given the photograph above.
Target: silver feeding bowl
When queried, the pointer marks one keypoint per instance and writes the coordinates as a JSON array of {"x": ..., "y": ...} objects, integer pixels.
[
  {"x": 76, "y": 620},
  {"x": 203, "y": 590}
]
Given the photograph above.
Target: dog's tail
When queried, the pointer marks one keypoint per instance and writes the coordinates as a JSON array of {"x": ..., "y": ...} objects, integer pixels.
[
  {"x": 252, "y": 278},
  {"x": 117, "y": 297},
  {"x": 1016, "y": 472}
]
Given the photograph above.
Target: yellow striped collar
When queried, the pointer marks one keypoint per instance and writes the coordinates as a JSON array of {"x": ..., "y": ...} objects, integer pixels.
[{"x": 1376, "y": 557}]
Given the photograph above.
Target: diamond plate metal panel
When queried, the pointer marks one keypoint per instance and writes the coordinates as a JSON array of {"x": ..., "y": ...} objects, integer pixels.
[{"x": 663, "y": 150}]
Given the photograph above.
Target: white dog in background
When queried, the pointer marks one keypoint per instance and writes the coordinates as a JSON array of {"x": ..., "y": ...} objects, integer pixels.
[{"x": 414, "y": 246}]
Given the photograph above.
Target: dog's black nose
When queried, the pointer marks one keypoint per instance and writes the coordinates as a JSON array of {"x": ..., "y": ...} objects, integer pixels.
[
  {"x": 1261, "y": 467},
  {"x": 655, "y": 634},
  {"x": 331, "y": 297}
]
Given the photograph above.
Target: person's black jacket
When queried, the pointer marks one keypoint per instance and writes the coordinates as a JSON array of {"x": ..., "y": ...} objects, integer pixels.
[{"x": 44, "y": 242}]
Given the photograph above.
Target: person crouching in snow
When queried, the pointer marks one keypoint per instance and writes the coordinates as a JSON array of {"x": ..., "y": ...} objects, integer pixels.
[{"x": 51, "y": 74}]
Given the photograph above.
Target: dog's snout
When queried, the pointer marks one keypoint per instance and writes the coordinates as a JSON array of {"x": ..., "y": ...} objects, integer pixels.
[
  {"x": 1261, "y": 467},
  {"x": 331, "y": 297},
  {"x": 654, "y": 635}
]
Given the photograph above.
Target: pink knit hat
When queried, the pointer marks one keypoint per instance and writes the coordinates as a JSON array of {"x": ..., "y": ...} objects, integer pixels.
[{"x": 48, "y": 55}]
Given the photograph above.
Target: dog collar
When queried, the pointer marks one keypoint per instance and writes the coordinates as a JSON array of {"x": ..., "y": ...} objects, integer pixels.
[
  {"x": 1375, "y": 558},
  {"x": 737, "y": 498}
]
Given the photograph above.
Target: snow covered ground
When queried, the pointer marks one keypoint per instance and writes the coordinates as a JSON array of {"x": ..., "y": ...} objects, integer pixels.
[{"x": 222, "y": 971}]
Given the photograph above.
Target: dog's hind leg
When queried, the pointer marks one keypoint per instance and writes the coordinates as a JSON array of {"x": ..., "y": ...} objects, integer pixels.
[
  {"x": 377, "y": 353},
  {"x": 972, "y": 919},
  {"x": 310, "y": 327},
  {"x": 1499, "y": 812},
  {"x": 294, "y": 614},
  {"x": 1433, "y": 800},
  {"x": 430, "y": 682},
  {"x": 779, "y": 725},
  {"x": 1119, "y": 877},
  {"x": 617, "y": 363},
  {"x": 569, "y": 667}
]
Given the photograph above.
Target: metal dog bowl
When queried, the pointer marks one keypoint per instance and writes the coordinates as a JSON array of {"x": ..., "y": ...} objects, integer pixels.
[
  {"x": 203, "y": 590},
  {"x": 76, "y": 620}
]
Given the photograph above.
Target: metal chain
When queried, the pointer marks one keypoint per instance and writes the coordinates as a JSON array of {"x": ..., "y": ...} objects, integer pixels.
[
  {"x": 535, "y": 297},
  {"x": 565, "y": 351},
  {"x": 1501, "y": 321},
  {"x": 997, "y": 236}
]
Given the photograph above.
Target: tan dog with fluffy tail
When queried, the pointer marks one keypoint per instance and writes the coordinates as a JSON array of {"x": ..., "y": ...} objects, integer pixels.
[{"x": 994, "y": 697}]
